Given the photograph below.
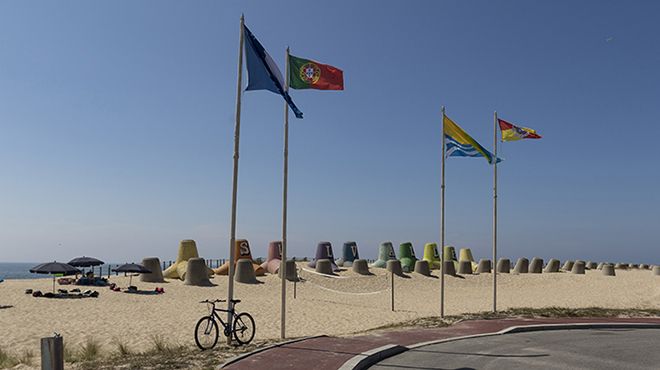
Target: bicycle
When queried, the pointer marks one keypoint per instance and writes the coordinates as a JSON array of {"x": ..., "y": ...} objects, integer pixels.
[{"x": 243, "y": 325}]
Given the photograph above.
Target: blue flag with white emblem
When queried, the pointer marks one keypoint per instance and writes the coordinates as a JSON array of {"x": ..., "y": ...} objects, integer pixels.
[{"x": 263, "y": 73}]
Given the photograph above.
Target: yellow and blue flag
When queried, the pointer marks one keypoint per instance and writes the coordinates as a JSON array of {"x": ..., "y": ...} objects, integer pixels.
[{"x": 459, "y": 144}]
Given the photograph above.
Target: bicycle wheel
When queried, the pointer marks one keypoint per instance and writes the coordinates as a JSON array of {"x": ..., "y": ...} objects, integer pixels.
[
  {"x": 244, "y": 328},
  {"x": 206, "y": 333}
]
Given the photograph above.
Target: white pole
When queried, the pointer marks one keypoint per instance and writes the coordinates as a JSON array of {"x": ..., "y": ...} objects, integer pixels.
[
  {"x": 495, "y": 212},
  {"x": 442, "y": 223},
  {"x": 237, "y": 135},
  {"x": 285, "y": 186}
]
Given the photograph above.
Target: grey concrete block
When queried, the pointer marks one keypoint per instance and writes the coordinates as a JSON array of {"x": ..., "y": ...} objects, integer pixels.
[{"x": 522, "y": 266}]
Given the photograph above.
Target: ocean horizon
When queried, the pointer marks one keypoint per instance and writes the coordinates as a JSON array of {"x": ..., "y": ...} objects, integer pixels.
[
  {"x": 18, "y": 270},
  {"x": 21, "y": 270}
]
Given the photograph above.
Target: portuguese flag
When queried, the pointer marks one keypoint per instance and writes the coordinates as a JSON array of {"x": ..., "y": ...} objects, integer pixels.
[{"x": 308, "y": 74}]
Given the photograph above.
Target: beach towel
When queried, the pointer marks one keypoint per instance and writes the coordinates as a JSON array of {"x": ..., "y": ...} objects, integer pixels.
[{"x": 142, "y": 292}]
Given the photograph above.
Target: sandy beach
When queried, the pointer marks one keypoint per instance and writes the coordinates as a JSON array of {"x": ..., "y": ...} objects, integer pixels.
[{"x": 324, "y": 305}]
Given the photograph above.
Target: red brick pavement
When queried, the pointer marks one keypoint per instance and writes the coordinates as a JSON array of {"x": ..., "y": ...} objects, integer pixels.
[{"x": 332, "y": 352}]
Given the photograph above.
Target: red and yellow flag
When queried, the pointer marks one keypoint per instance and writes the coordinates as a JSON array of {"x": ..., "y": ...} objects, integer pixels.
[{"x": 511, "y": 132}]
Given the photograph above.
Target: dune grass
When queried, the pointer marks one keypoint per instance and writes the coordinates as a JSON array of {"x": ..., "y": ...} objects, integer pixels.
[
  {"x": 9, "y": 360},
  {"x": 163, "y": 346},
  {"x": 123, "y": 349},
  {"x": 90, "y": 350},
  {"x": 69, "y": 354},
  {"x": 26, "y": 357},
  {"x": 164, "y": 354}
]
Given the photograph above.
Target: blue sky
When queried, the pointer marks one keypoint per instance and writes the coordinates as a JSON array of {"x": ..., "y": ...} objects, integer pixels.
[{"x": 116, "y": 127}]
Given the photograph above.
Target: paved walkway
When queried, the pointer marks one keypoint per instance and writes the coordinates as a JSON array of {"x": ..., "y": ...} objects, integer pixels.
[
  {"x": 331, "y": 352},
  {"x": 602, "y": 349}
]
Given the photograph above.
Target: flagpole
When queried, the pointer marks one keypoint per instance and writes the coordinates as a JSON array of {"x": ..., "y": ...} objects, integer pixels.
[
  {"x": 285, "y": 186},
  {"x": 237, "y": 135},
  {"x": 495, "y": 212},
  {"x": 442, "y": 223}
]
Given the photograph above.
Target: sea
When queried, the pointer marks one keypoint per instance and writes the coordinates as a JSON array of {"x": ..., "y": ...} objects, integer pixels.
[
  {"x": 18, "y": 270},
  {"x": 21, "y": 270}
]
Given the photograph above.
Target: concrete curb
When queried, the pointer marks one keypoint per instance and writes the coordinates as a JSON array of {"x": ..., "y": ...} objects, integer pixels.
[
  {"x": 258, "y": 350},
  {"x": 542, "y": 327},
  {"x": 368, "y": 358},
  {"x": 371, "y": 357},
  {"x": 577, "y": 326}
]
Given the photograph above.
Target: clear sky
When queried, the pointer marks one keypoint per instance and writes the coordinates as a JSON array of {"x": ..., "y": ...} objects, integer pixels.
[{"x": 116, "y": 127}]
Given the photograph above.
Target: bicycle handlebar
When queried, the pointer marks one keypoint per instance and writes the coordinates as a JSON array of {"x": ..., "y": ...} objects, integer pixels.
[{"x": 215, "y": 301}]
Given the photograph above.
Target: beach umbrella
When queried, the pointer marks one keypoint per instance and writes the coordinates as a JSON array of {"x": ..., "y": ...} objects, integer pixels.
[
  {"x": 85, "y": 262},
  {"x": 132, "y": 268},
  {"x": 54, "y": 268}
]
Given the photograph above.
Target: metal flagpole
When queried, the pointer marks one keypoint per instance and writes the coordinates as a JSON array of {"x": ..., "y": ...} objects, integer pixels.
[
  {"x": 495, "y": 212},
  {"x": 442, "y": 223},
  {"x": 237, "y": 135},
  {"x": 285, "y": 186}
]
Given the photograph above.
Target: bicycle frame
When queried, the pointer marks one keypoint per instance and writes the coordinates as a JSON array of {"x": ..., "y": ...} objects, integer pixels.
[{"x": 214, "y": 315}]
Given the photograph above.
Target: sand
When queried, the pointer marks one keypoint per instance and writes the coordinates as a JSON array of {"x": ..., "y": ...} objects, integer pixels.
[{"x": 333, "y": 306}]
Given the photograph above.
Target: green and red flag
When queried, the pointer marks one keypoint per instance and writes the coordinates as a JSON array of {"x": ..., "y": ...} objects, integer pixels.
[{"x": 308, "y": 74}]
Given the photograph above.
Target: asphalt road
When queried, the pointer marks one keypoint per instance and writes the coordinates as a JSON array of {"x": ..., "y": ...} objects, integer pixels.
[{"x": 602, "y": 349}]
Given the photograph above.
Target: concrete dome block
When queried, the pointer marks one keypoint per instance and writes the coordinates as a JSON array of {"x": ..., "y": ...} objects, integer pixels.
[
  {"x": 449, "y": 268},
  {"x": 656, "y": 270},
  {"x": 422, "y": 268},
  {"x": 325, "y": 266},
  {"x": 242, "y": 251},
  {"x": 394, "y": 266},
  {"x": 552, "y": 266},
  {"x": 600, "y": 266},
  {"x": 568, "y": 265},
  {"x": 152, "y": 264},
  {"x": 274, "y": 257},
  {"x": 592, "y": 265},
  {"x": 407, "y": 257},
  {"x": 291, "y": 271},
  {"x": 522, "y": 266},
  {"x": 187, "y": 250},
  {"x": 197, "y": 273},
  {"x": 465, "y": 254},
  {"x": 349, "y": 253},
  {"x": 504, "y": 265},
  {"x": 621, "y": 266},
  {"x": 385, "y": 253},
  {"x": 324, "y": 252},
  {"x": 643, "y": 266},
  {"x": 485, "y": 266},
  {"x": 578, "y": 268},
  {"x": 536, "y": 266},
  {"x": 361, "y": 267},
  {"x": 608, "y": 270},
  {"x": 432, "y": 256},
  {"x": 465, "y": 267},
  {"x": 181, "y": 269},
  {"x": 245, "y": 272},
  {"x": 633, "y": 266},
  {"x": 449, "y": 253}
]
